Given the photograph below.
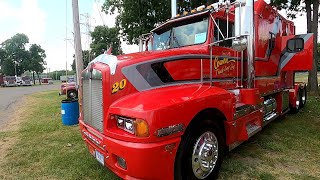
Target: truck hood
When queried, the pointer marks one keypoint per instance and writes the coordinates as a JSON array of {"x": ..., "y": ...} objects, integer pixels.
[{"x": 127, "y": 59}]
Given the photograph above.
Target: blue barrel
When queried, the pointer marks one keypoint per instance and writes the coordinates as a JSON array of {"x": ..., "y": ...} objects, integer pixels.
[{"x": 70, "y": 112}]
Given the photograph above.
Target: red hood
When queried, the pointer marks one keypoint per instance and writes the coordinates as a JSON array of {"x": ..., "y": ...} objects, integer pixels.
[{"x": 133, "y": 58}]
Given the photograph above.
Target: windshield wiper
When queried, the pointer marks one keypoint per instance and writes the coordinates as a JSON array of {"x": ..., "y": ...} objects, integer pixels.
[
  {"x": 175, "y": 38},
  {"x": 171, "y": 42},
  {"x": 168, "y": 40}
]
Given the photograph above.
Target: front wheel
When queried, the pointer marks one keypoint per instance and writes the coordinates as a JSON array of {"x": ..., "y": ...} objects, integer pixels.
[
  {"x": 72, "y": 94},
  {"x": 201, "y": 152}
]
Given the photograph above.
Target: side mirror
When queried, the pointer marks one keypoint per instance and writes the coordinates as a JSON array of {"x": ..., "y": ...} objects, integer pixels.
[
  {"x": 295, "y": 45},
  {"x": 239, "y": 44}
]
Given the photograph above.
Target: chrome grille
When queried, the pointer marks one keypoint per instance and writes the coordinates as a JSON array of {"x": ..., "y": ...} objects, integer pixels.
[{"x": 92, "y": 103}]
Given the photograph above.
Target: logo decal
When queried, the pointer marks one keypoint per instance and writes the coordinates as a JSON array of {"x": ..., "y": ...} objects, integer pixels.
[{"x": 224, "y": 65}]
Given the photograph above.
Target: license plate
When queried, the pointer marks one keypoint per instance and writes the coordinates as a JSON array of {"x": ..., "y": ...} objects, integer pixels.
[{"x": 99, "y": 157}]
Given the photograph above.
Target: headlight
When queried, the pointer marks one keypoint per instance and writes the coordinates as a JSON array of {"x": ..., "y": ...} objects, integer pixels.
[{"x": 139, "y": 127}]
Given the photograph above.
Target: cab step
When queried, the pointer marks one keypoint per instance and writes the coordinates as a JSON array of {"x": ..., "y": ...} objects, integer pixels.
[{"x": 252, "y": 129}]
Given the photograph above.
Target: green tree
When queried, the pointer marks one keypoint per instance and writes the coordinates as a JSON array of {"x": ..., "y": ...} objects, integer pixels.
[
  {"x": 311, "y": 7},
  {"x": 188, "y": 5},
  {"x": 2, "y": 55},
  {"x": 87, "y": 56},
  {"x": 36, "y": 61},
  {"x": 137, "y": 17},
  {"x": 15, "y": 54},
  {"x": 56, "y": 74},
  {"x": 103, "y": 38}
]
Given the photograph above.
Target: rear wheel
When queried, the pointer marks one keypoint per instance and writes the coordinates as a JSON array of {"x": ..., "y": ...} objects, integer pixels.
[
  {"x": 303, "y": 97},
  {"x": 296, "y": 109},
  {"x": 201, "y": 152}
]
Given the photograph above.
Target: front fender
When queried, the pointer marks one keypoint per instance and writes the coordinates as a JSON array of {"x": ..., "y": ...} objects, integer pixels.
[{"x": 174, "y": 105}]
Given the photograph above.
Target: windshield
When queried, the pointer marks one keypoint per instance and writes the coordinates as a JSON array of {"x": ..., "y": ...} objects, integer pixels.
[
  {"x": 25, "y": 78},
  {"x": 184, "y": 33},
  {"x": 10, "y": 78}
]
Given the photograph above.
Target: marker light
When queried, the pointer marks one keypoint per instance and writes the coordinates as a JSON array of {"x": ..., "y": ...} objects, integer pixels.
[
  {"x": 200, "y": 8},
  {"x": 142, "y": 129}
]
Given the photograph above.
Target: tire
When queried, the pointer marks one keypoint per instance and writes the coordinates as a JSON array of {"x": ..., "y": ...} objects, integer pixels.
[
  {"x": 295, "y": 110},
  {"x": 187, "y": 162},
  {"x": 303, "y": 96},
  {"x": 72, "y": 94}
]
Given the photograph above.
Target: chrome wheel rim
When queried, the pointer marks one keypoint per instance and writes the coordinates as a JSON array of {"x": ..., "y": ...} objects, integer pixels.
[
  {"x": 205, "y": 155},
  {"x": 298, "y": 101},
  {"x": 72, "y": 95}
]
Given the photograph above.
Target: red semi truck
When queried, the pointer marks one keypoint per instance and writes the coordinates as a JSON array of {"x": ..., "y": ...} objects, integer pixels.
[{"x": 208, "y": 80}]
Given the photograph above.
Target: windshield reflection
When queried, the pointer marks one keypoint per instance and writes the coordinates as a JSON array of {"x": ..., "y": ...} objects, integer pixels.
[{"x": 181, "y": 35}]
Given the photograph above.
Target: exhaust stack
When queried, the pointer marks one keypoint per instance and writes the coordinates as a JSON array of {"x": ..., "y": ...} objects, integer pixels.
[
  {"x": 244, "y": 27},
  {"x": 173, "y": 8},
  {"x": 250, "y": 48}
]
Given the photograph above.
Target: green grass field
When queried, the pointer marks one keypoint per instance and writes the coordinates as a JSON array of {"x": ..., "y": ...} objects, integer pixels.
[
  {"x": 287, "y": 149},
  {"x": 303, "y": 77},
  {"x": 41, "y": 150}
]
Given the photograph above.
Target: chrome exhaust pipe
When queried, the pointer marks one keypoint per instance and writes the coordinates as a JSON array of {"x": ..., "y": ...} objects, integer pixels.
[
  {"x": 250, "y": 47},
  {"x": 173, "y": 8}
]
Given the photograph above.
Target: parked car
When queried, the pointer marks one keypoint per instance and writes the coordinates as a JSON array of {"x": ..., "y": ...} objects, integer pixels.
[
  {"x": 70, "y": 89},
  {"x": 18, "y": 80},
  {"x": 46, "y": 81}
]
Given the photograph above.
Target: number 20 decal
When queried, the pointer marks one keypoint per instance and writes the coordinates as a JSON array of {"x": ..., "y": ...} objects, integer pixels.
[{"x": 119, "y": 86}]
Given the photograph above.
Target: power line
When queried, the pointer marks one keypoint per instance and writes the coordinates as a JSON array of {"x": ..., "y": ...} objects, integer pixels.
[{"x": 104, "y": 24}]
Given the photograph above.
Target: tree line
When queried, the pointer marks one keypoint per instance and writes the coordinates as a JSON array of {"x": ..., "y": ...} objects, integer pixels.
[{"x": 16, "y": 58}]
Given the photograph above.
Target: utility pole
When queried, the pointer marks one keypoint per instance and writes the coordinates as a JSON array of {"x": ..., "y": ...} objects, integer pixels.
[
  {"x": 77, "y": 45},
  {"x": 77, "y": 41},
  {"x": 88, "y": 26}
]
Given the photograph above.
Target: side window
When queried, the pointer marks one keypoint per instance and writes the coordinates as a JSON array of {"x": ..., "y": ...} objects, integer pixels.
[
  {"x": 295, "y": 45},
  {"x": 223, "y": 28}
]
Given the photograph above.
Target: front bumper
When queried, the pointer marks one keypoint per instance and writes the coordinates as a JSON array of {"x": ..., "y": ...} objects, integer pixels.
[{"x": 143, "y": 160}]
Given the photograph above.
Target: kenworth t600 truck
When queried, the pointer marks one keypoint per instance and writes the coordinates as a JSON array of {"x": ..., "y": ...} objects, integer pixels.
[{"x": 206, "y": 81}]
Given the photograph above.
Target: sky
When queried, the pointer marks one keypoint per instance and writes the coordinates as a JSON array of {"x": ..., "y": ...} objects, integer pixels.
[
  {"x": 49, "y": 23},
  {"x": 46, "y": 22}
]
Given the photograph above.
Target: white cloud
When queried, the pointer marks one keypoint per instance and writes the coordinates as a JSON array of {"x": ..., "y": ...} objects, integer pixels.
[
  {"x": 28, "y": 18},
  {"x": 32, "y": 21}
]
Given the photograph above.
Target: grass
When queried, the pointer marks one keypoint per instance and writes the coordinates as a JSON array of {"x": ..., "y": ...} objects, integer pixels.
[
  {"x": 41, "y": 150},
  {"x": 287, "y": 149}
]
